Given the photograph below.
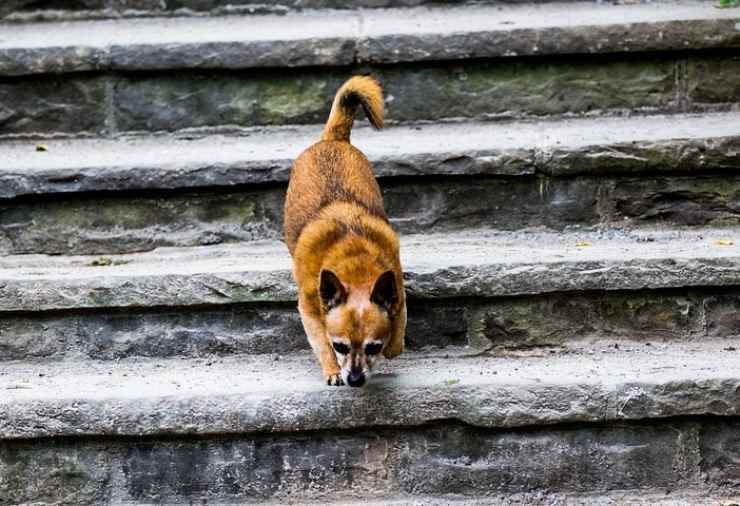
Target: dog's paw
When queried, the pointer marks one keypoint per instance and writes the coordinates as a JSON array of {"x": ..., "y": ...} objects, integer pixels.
[{"x": 334, "y": 380}]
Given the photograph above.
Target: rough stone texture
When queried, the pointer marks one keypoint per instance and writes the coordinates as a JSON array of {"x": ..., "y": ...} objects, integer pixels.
[
  {"x": 498, "y": 324},
  {"x": 714, "y": 80},
  {"x": 172, "y": 332},
  {"x": 173, "y": 103},
  {"x": 366, "y": 467},
  {"x": 516, "y": 89},
  {"x": 372, "y": 36},
  {"x": 44, "y": 105},
  {"x": 631, "y": 145},
  {"x": 475, "y": 90},
  {"x": 589, "y": 28},
  {"x": 250, "y": 394},
  {"x": 698, "y": 201},
  {"x": 444, "y": 266},
  {"x": 557, "y": 319},
  {"x": 98, "y": 225},
  {"x": 473, "y": 461},
  {"x": 123, "y": 224},
  {"x": 164, "y": 333},
  {"x": 720, "y": 453},
  {"x": 54, "y": 473},
  {"x": 722, "y": 315}
]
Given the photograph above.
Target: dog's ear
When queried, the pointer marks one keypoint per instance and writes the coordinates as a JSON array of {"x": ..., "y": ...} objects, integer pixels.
[
  {"x": 331, "y": 290},
  {"x": 384, "y": 292}
]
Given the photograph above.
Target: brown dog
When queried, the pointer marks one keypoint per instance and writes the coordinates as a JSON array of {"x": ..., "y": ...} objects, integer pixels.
[{"x": 345, "y": 253}]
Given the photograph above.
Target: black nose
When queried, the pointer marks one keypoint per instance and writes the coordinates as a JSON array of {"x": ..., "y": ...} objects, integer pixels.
[{"x": 356, "y": 379}]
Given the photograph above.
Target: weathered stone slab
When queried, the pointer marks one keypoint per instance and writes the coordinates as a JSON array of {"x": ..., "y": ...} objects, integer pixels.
[
  {"x": 367, "y": 36},
  {"x": 700, "y": 201},
  {"x": 519, "y": 31},
  {"x": 99, "y": 225},
  {"x": 250, "y": 394},
  {"x": 475, "y": 90},
  {"x": 615, "y": 145},
  {"x": 52, "y": 105},
  {"x": 178, "y": 332},
  {"x": 469, "y": 461},
  {"x": 720, "y": 453},
  {"x": 558, "y": 319},
  {"x": 55, "y": 473},
  {"x": 173, "y": 103},
  {"x": 444, "y": 266},
  {"x": 103, "y": 226},
  {"x": 714, "y": 80},
  {"x": 369, "y": 466}
]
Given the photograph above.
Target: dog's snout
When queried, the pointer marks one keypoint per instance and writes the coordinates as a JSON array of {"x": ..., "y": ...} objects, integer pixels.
[{"x": 356, "y": 378}]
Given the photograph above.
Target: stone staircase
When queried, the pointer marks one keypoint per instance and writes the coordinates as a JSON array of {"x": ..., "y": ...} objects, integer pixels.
[{"x": 565, "y": 179}]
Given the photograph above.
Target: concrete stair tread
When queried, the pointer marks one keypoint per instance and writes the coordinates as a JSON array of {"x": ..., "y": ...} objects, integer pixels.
[
  {"x": 376, "y": 35},
  {"x": 474, "y": 264},
  {"x": 662, "y": 143},
  {"x": 593, "y": 383}
]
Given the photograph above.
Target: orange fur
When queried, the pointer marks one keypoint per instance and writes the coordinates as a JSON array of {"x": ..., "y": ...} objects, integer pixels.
[{"x": 337, "y": 231}]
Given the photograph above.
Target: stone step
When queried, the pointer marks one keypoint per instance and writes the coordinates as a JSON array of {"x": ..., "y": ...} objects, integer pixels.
[
  {"x": 193, "y": 68},
  {"x": 645, "y": 497},
  {"x": 84, "y": 196},
  {"x": 56, "y": 10},
  {"x": 483, "y": 290},
  {"x": 339, "y": 38},
  {"x": 243, "y": 430}
]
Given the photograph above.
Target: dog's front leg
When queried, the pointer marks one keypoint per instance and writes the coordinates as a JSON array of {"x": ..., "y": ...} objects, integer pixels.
[{"x": 319, "y": 341}]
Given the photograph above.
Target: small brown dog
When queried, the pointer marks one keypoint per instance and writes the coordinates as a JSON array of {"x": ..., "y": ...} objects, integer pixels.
[{"x": 345, "y": 253}]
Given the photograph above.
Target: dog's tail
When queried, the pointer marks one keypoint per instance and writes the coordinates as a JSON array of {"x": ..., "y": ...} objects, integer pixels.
[{"x": 359, "y": 90}]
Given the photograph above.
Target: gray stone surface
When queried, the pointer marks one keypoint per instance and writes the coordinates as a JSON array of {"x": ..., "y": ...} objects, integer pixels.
[
  {"x": 45, "y": 105},
  {"x": 714, "y": 81},
  {"x": 699, "y": 201},
  {"x": 720, "y": 453},
  {"x": 250, "y": 394},
  {"x": 447, "y": 90},
  {"x": 187, "y": 332},
  {"x": 375, "y": 467},
  {"x": 377, "y": 35},
  {"x": 99, "y": 225},
  {"x": 681, "y": 144},
  {"x": 436, "y": 266}
]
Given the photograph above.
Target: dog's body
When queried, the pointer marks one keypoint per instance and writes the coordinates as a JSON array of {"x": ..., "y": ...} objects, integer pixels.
[{"x": 345, "y": 253}]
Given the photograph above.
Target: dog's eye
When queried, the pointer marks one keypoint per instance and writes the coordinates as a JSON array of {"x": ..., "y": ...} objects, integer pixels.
[
  {"x": 340, "y": 348},
  {"x": 373, "y": 348}
]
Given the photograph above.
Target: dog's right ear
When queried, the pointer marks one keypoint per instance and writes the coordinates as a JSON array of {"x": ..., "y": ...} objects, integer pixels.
[{"x": 331, "y": 290}]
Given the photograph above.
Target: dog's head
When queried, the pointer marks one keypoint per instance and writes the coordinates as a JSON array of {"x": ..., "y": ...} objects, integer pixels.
[{"x": 358, "y": 321}]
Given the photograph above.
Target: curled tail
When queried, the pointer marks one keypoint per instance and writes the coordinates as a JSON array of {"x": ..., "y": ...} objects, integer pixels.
[{"x": 359, "y": 90}]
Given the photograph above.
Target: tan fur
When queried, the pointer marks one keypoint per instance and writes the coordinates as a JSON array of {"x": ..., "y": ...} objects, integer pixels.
[{"x": 335, "y": 222}]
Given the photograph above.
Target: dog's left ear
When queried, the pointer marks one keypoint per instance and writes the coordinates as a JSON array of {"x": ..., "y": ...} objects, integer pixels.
[{"x": 384, "y": 293}]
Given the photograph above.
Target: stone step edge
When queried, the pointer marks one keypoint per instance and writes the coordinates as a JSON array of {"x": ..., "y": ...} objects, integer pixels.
[
  {"x": 694, "y": 496},
  {"x": 437, "y": 266},
  {"x": 364, "y": 37},
  {"x": 683, "y": 144},
  {"x": 246, "y": 394}
]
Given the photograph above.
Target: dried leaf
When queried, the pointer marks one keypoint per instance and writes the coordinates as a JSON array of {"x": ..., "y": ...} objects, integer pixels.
[
  {"x": 725, "y": 242},
  {"x": 583, "y": 244},
  {"x": 452, "y": 382},
  {"x": 42, "y": 148}
]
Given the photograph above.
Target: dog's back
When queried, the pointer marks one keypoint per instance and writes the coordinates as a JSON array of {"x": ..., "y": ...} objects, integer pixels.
[{"x": 332, "y": 178}]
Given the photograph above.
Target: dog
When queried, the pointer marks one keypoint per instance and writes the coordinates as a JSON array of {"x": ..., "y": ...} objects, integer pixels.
[{"x": 345, "y": 253}]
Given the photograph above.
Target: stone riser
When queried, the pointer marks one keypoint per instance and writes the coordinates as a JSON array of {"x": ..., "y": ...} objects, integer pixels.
[
  {"x": 110, "y": 223},
  {"x": 549, "y": 320},
  {"x": 108, "y": 104},
  {"x": 369, "y": 464}
]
